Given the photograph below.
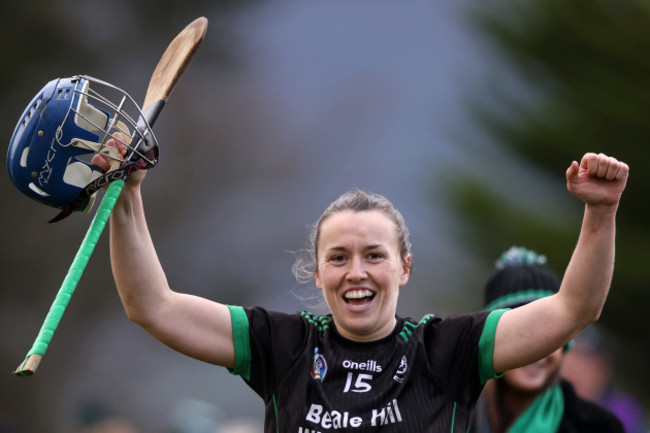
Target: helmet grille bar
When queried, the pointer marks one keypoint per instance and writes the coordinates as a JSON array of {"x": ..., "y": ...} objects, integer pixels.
[{"x": 141, "y": 129}]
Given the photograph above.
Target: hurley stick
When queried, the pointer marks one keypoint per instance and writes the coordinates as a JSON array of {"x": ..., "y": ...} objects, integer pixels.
[{"x": 168, "y": 72}]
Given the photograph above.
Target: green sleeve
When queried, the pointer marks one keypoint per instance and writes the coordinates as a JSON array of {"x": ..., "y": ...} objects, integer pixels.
[
  {"x": 486, "y": 347},
  {"x": 241, "y": 339}
]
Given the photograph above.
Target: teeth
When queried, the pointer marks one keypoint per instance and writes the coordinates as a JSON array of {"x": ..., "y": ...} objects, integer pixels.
[{"x": 358, "y": 294}]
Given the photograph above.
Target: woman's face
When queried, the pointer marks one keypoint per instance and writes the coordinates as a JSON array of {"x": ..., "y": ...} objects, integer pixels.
[
  {"x": 359, "y": 270},
  {"x": 537, "y": 376}
]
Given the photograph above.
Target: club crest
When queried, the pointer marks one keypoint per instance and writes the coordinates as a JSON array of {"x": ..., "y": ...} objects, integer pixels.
[{"x": 319, "y": 366}]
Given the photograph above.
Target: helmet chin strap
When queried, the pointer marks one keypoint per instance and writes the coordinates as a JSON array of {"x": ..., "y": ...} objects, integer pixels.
[
  {"x": 113, "y": 156},
  {"x": 80, "y": 174}
]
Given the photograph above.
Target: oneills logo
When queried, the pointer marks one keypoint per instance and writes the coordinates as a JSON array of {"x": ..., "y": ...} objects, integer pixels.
[{"x": 369, "y": 365}]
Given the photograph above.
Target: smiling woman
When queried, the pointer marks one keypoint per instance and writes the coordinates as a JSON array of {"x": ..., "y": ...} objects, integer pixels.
[
  {"x": 413, "y": 374},
  {"x": 360, "y": 270},
  {"x": 361, "y": 367}
]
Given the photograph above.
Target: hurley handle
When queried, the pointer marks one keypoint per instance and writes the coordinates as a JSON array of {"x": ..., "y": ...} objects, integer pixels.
[{"x": 33, "y": 358}]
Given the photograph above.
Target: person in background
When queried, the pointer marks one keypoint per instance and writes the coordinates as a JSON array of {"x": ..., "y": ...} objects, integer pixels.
[
  {"x": 533, "y": 398},
  {"x": 589, "y": 367},
  {"x": 95, "y": 417}
]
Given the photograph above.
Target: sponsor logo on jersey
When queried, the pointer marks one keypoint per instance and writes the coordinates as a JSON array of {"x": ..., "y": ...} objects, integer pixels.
[
  {"x": 319, "y": 366},
  {"x": 322, "y": 418},
  {"x": 369, "y": 365}
]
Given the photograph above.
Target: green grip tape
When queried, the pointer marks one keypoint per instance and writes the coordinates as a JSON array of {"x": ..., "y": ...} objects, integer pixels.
[{"x": 76, "y": 270}]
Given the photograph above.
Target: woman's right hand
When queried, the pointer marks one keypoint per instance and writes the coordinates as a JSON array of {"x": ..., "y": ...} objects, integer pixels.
[{"x": 104, "y": 162}]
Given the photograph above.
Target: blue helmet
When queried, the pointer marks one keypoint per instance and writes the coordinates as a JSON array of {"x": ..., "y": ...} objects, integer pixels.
[{"x": 62, "y": 128}]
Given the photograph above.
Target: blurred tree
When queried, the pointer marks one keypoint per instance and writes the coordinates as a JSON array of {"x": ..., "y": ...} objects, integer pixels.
[{"x": 578, "y": 83}]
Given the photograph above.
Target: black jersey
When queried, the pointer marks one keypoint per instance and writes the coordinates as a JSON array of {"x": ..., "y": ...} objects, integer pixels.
[{"x": 424, "y": 377}]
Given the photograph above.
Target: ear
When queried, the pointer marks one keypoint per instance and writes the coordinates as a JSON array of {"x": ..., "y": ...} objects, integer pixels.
[
  {"x": 406, "y": 271},
  {"x": 319, "y": 284}
]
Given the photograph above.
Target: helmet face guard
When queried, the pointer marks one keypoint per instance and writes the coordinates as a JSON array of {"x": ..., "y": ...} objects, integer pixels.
[{"x": 63, "y": 127}]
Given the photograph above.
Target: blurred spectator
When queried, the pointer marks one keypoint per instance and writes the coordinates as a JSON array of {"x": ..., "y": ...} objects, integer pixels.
[
  {"x": 96, "y": 418},
  {"x": 195, "y": 416},
  {"x": 192, "y": 415},
  {"x": 110, "y": 425},
  {"x": 242, "y": 425},
  {"x": 533, "y": 398},
  {"x": 589, "y": 367}
]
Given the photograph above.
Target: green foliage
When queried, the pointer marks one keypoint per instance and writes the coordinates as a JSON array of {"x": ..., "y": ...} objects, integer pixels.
[
  {"x": 587, "y": 63},
  {"x": 494, "y": 223},
  {"x": 581, "y": 73}
]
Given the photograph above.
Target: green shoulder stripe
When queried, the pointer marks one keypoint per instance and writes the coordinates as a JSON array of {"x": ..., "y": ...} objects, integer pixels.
[{"x": 409, "y": 327}]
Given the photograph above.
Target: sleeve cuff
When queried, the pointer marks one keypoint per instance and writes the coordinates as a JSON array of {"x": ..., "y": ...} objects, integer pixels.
[
  {"x": 486, "y": 347},
  {"x": 241, "y": 339}
]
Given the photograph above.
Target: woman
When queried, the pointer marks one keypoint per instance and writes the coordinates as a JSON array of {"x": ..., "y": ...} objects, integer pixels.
[
  {"x": 362, "y": 368},
  {"x": 533, "y": 398}
]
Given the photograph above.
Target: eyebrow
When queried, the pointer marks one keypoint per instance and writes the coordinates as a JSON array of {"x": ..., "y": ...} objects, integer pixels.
[{"x": 369, "y": 247}]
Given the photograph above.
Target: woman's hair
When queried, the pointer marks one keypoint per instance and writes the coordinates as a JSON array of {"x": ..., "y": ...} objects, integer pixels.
[{"x": 305, "y": 265}]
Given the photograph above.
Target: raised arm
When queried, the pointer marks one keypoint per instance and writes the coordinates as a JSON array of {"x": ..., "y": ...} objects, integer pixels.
[
  {"x": 195, "y": 326},
  {"x": 533, "y": 331}
]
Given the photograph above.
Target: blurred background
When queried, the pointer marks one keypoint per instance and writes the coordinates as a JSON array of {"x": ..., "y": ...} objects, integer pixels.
[{"x": 465, "y": 114}]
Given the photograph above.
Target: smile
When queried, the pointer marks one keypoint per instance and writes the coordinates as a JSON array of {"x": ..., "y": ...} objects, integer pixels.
[{"x": 358, "y": 298}]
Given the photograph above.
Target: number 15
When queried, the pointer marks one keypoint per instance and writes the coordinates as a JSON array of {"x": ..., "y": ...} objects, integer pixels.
[{"x": 360, "y": 385}]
